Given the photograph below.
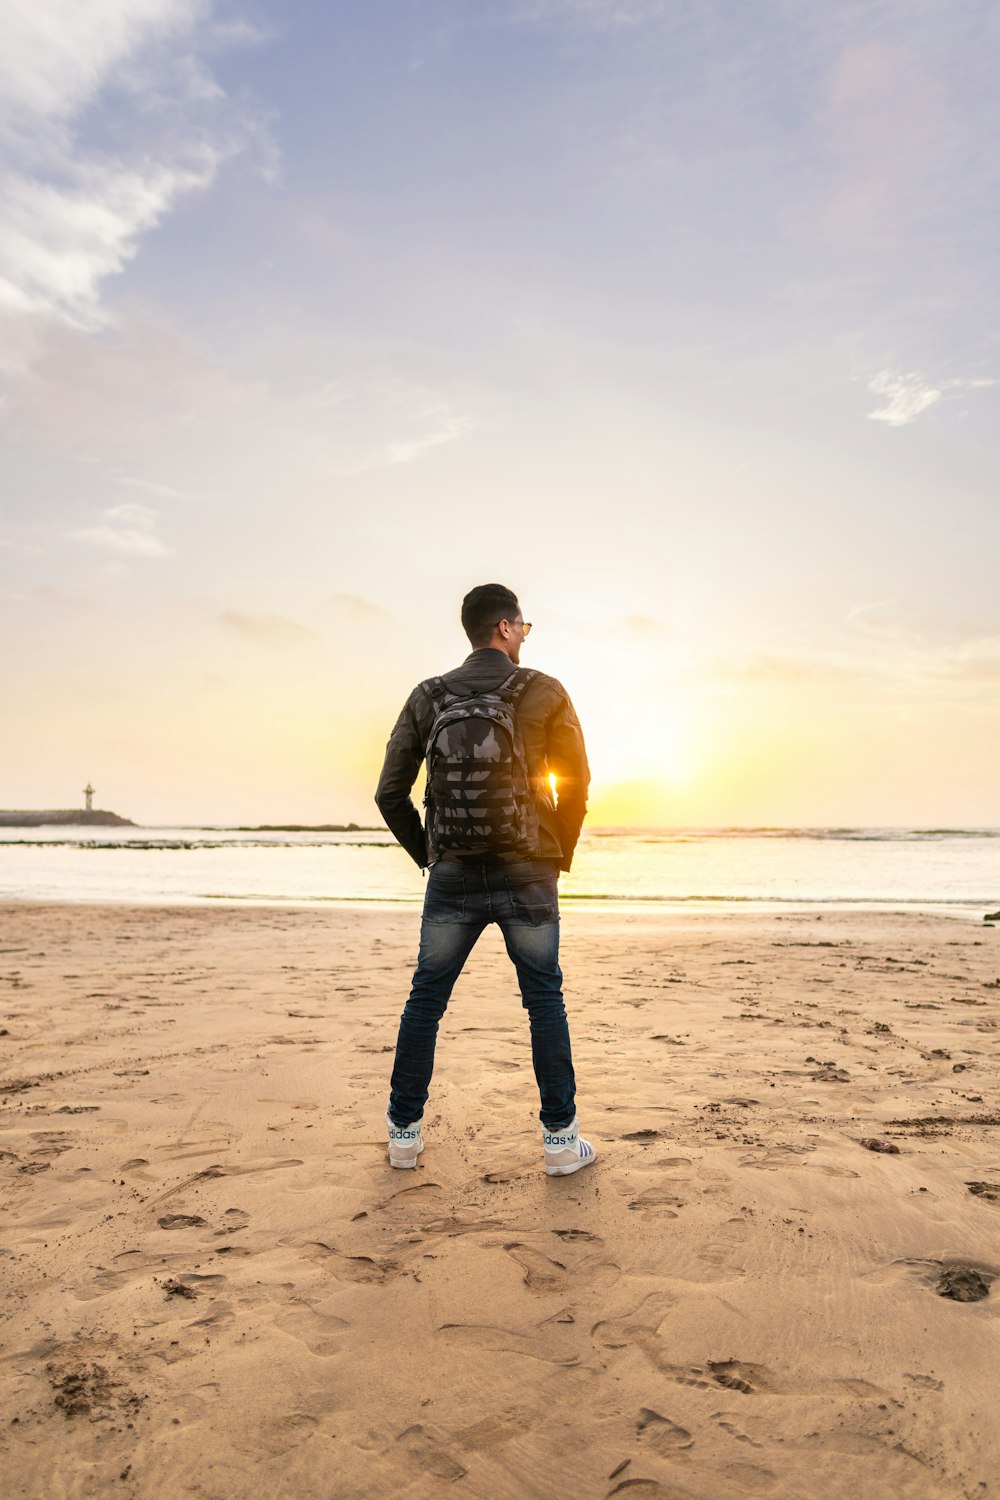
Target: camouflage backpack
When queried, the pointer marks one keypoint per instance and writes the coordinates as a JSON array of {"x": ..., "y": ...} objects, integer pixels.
[{"x": 479, "y": 797}]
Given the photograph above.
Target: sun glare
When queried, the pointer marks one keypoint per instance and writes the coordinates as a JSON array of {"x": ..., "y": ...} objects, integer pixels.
[
  {"x": 639, "y": 729},
  {"x": 650, "y": 742}
]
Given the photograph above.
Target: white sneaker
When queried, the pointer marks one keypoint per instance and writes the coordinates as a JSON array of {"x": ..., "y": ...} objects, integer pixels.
[
  {"x": 566, "y": 1151},
  {"x": 405, "y": 1143}
]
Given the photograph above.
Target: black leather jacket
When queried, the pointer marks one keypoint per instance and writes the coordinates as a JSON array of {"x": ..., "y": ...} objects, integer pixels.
[{"x": 553, "y": 742}]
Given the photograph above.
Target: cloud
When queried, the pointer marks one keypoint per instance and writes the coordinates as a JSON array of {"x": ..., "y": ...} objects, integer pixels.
[
  {"x": 646, "y": 625},
  {"x": 60, "y": 241},
  {"x": 126, "y": 528},
  {"x": 905, "y": 397},
  {"x": 161, "y": 491},
  {"x": 267, "y": 629},
  {"x": 443, "y": 426},
  {"x": 177, "y": 428},
  {"x": 359, "y": 611},
  {"x": 74, "y": 78},
  {"x": 884, "y": 654},
  {"x": 430, "y": 422}
]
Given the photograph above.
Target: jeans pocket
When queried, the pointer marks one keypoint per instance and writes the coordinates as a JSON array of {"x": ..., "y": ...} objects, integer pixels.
[
  {"x": 445, "y": 898},
  {"x": 534, "y": 893}
]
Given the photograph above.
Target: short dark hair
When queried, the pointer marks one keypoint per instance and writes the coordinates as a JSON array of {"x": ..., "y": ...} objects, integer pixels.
[{"x": 483, "y": 607}]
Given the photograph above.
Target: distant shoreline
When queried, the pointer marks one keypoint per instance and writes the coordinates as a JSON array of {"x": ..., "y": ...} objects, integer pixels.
[
  {"x": 63, "y": 818},
  {"x": 75, "y": 817},
  {"x": 309, "y": 828}
]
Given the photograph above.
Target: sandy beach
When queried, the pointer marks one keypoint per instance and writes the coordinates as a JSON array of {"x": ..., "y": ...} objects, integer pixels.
[{"x": 216, "y": 1287}]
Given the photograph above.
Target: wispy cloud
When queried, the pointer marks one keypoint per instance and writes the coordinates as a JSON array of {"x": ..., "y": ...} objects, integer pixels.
[
  {"x": 906, "y": 396},
  {"x": 359, "y": 611},
  {"x": 903, "y": 396},
  {"x": 442, "y": 426},
  {"x": 161, "y": 491},
  {"x": 646, "y": 625},
  {"x": 267, "y": 629},
  {"x": 124, "y": 528},
  {"x": 74, "y": 210},
  {"x": 881, "y": 652},
  {"x": 428, "y": 420}
]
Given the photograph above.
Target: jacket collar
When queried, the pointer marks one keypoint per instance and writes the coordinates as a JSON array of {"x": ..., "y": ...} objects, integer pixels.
[{"x": 491, "y": 654}]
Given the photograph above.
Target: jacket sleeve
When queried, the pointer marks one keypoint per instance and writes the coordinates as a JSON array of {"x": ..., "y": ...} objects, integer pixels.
[
  {"x": 566, "y": 754},
  {"x": 403, "y": 756}
]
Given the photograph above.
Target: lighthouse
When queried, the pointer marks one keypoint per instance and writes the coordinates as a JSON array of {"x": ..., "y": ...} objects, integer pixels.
[{"x": 88, "y": 792}]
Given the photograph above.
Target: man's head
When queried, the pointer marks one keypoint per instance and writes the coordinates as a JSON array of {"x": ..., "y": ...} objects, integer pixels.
[{"x": 491, "y": 616}]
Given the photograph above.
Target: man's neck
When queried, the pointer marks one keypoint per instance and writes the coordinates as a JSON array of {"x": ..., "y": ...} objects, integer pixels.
[{"x": 506, "y": 647}]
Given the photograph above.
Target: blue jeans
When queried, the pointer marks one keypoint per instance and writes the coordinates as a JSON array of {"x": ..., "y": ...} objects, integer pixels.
[{"x": 462, "y": 897}]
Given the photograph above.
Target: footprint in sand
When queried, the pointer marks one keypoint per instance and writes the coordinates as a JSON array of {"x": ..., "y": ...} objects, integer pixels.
[
  {"x": 363, "y": 1268},
  {"x": 734, "y": 1432},
  {"x": 452, "y": 1225},
  {"x": 924, "y": 1382},
  {"x": 778, "y": 1158},
  {"x": 281, "y": 1436},
  {"x": 129, "y": 1266},
  {"x": 722, "y": 1249},
  {"x": 738, "y": 1375},
  {"x": 321, "y": 1333},
  {"x": 624, "y": 1329},
  {"x": 658, "y": 1197},
  {"x": 405, "y": 1197},
  {"x": 551, "y": 1345},
  {"x": 543, "y": 1273},
  {"x": 496, "y": 1429},
  {"x": 929, "y": 1272},
  {"x": 236, "y": 1219},
  {"x": 220, "y": 1317},
  {"x": 510, "y": 1174},
  {"x": 429, "y": 1449},
  {"x": 52, "y": 1142},
  {"x": 743, "y": 1478},
  {"x": 660, "y": 1433}
]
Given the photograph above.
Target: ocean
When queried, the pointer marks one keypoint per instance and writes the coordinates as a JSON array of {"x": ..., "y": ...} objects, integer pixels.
[{"x": 954, "y": 871}]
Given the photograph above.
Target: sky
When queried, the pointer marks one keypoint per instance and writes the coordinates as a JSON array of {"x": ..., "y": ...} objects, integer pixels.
[{"x": 679, "y": 320}]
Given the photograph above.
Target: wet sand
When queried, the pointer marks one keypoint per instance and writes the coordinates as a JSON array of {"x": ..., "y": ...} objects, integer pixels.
[{"x": 216, "y": 1287}]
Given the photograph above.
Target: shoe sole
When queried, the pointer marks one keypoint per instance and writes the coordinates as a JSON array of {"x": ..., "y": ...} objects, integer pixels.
[
  {"x": 411, "y": 1161},
  {"x": 577, "y": 1166}
]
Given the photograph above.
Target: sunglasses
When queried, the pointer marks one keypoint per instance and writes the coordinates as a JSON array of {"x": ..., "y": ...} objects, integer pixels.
[{"x": 524, "y": 624}]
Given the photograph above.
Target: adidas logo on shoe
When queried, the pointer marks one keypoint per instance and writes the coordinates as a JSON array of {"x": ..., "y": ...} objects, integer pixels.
[
  {"x": 566, "y": 1151},
  {"x": 405, "y": 1143}
]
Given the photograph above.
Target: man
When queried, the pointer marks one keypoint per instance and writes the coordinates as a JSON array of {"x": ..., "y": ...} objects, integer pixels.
[{"x": 495, "y": 840}]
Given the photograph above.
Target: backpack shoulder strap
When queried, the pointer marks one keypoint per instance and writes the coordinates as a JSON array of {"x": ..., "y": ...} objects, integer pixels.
[
  {"x": 436, "y": 692},
  {"x": 512, "y": 687}
]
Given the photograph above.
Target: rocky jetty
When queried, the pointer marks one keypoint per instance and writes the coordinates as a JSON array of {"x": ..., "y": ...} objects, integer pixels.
[{"x": 95, "y": 818}]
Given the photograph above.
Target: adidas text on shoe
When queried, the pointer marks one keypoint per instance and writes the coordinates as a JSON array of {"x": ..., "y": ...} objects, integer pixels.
[
  {"x": 566, "y": 1151},
  {"x": 405, "y": 1143}
]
